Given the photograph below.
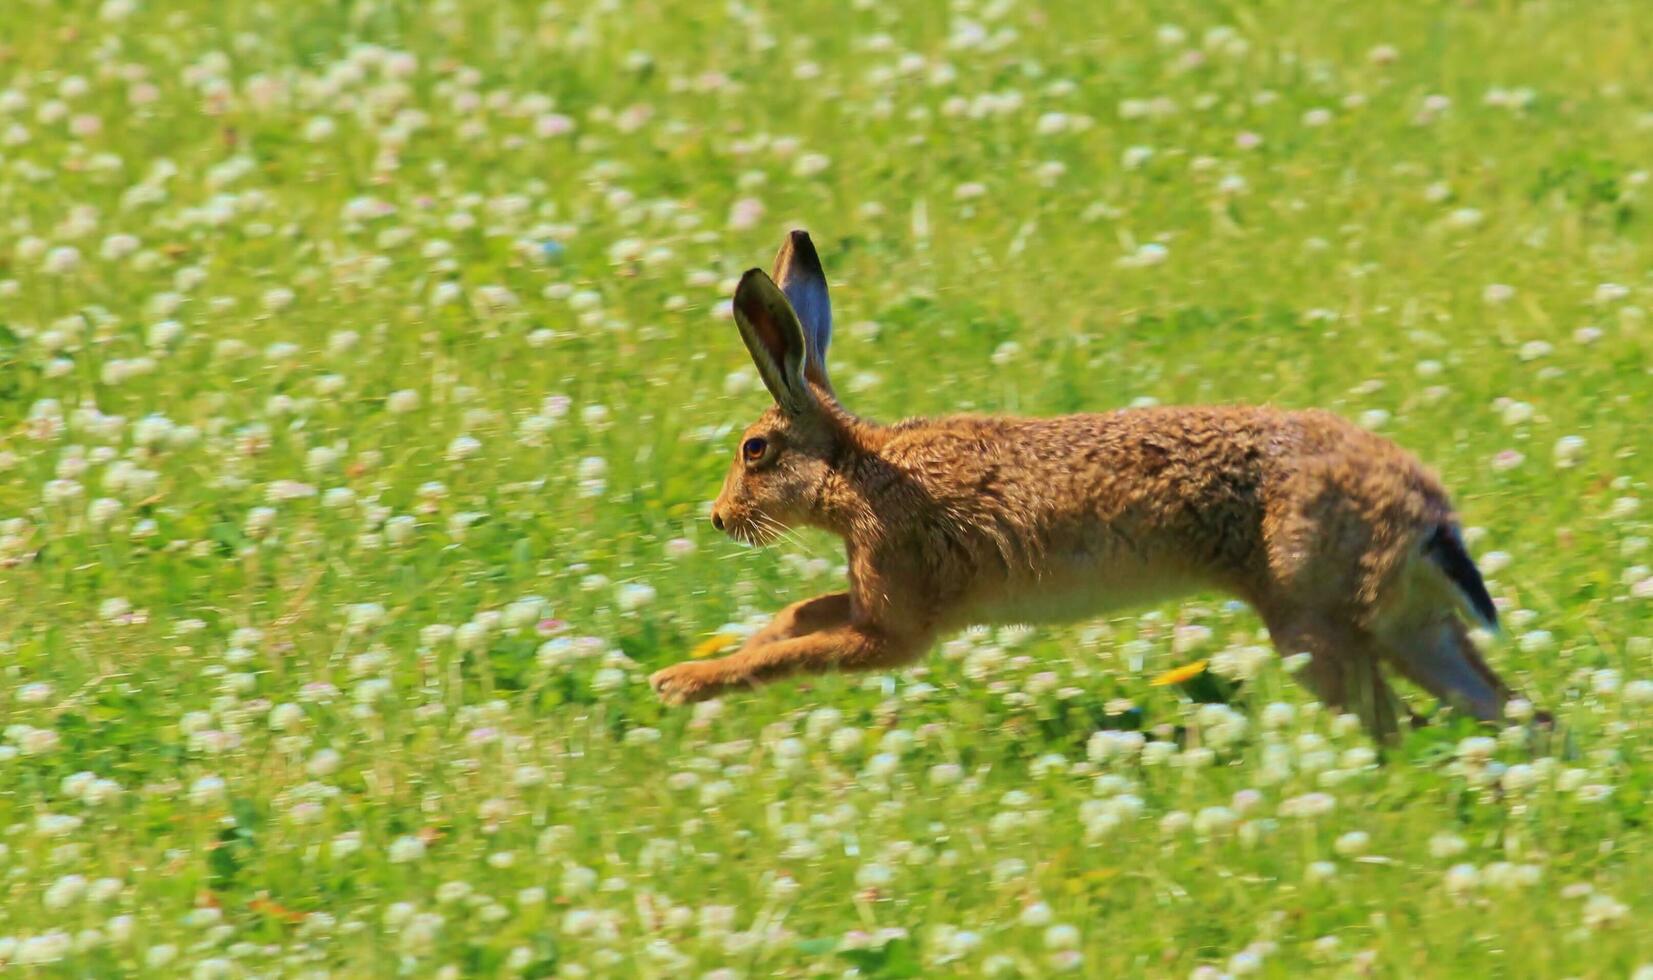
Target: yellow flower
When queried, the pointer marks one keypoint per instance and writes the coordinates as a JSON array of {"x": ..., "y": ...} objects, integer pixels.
[
  {"x": 713, "y": 645},
  {"x": 1177, "y": 675}
]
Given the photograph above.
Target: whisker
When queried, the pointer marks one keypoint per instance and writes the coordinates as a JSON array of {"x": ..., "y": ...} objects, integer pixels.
[
  {"x": 790, "y": 534},
  {"x": 759, "y": 526},
  {"x": 773, "y": 526}
]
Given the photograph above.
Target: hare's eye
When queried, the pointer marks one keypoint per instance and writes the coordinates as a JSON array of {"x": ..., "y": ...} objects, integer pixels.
[{"x": 753, "y": 449}]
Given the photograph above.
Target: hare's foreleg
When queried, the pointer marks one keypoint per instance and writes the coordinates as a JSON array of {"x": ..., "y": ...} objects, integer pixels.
[
  {"x": 808, "y": 616},
  {"x": 812, "y": 637},
  {"x": 698, "y": 680}
]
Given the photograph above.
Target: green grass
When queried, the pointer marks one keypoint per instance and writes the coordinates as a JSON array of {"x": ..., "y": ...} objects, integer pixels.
[{"x": 254, "y": 646}]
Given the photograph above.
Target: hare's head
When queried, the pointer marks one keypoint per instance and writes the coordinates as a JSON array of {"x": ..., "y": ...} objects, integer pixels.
[{"x": 783, "y": 467}]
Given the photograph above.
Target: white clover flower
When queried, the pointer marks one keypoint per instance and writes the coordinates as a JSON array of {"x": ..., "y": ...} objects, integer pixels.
[
  {"x": 1477, "y": 748},
  {"x": 811, "y": 164},
  {"x": 419, "y": 934},
  {"x": 75, "y": 785},
  {"x": 1036, "y": 915},
  {"x": 1604, "y": 911},
  {"x": 1442, "y": 846},
  {"x": 608, "y": 680},
  {"x": 1278, "y": 715},
  {"x": 64, "y": 892},
  {"x": 945, "y": 774},
  {"x": 845, "y": 741},
  {"x": 61, "y": 261},
  {"x": 1352, "y": 843},
  {"x": 462, "y": 448},
  {"x": 1308, "y": 805},
  {"x": 1214, "y": 820},
  {"x": 1567, "y": 451},
  {"x": 286, "y": 717},
  {"x": 1535, "y": 641},
  {"x": 1610, "y": 292},
  {"x": 365, "y": 615},
  {"x": 592, "y": 468},
  {"x": 405, "y": 849},
  {"x": 1593, "y": 793},
  {"x": 1508, "y": 876},
  {"x": 345, "y": 844},
  {"x": 1146, "y": 254},
  {"x": 633, "y": 596},
  {"x": 104, "y": 889},
  {"x": 34, "y": 692},
  {"x": 206, "y": 790},
  {"x": 1052, "y": 123},
  {"x": 874, "y": 875},
  {"x": 101, "y": 511},
  {"x": 37, "y": 741},
  {"x": 1175, "y": 822},
  {"x": 1158, "y": 753},
  {"x": 578, "y": 880},
  {"x": 1113, "y": 744}
]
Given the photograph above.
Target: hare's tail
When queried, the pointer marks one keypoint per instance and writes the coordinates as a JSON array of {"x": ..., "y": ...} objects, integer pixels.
[{"x": 1445, "y": 549}]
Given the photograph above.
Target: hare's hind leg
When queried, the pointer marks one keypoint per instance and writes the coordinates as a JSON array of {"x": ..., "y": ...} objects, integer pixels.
[
  {"x": 1344, "y": 669},
  {"x": 1438, "y": 655}
]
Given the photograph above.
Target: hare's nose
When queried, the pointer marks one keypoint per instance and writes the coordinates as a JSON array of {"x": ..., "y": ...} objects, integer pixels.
[{"x": 717, "y": 520}]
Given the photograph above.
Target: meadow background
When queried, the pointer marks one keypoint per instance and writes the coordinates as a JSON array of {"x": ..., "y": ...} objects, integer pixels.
[{"x": 366, "y": 370}]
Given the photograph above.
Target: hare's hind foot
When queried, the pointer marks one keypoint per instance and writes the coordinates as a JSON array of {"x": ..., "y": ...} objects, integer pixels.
[
  {"x": 1344, "y": 670},
  {"x": 1439, "y": 656},
  {"x": 1420, "y": 631}
]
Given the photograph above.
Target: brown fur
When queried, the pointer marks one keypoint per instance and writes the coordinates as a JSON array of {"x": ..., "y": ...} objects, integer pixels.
[{"x": 1318, "y": 524}]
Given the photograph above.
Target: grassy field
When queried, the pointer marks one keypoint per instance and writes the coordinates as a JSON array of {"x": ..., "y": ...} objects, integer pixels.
[{"x": 366, "y": 370}]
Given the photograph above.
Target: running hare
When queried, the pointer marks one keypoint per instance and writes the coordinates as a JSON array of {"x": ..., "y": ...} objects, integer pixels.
[{"x": 1345, "y": 545}]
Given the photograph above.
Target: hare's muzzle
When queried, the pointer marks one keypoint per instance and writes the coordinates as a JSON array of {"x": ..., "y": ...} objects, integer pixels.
[{"x": 717, "y": 520}]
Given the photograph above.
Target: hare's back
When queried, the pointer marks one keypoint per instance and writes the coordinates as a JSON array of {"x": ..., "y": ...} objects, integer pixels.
[
  {"x": 1175, "y": 465},
  {"x": 1157, "y": 501}
]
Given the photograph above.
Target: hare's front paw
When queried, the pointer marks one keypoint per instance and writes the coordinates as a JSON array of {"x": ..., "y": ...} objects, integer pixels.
[{"x": 689, "y": 681}]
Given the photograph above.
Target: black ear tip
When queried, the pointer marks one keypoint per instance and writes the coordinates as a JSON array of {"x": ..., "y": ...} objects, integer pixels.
[
  {"x": 752, "y": 287},
  {"x": 799, "y": 250}
]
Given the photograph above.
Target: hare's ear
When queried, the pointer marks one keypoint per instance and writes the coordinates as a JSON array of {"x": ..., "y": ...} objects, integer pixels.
[
  {"x": 776, "y": 339},
  {"x": 799, "y": 274}
]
